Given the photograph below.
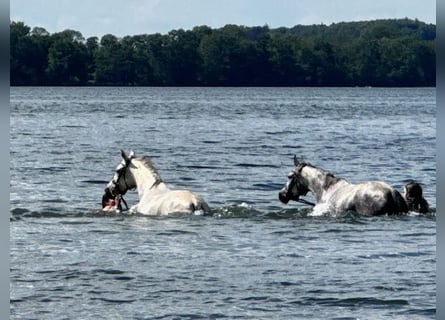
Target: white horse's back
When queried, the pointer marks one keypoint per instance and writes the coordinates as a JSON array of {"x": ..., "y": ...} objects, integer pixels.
[{"x": 171, "y": 201}]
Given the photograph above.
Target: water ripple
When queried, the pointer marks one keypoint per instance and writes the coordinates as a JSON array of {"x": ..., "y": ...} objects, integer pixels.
[{"x": 255, "y": 258}]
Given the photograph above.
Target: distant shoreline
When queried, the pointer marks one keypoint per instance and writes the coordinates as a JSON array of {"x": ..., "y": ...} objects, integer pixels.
[{"x": 378, "y": 53}]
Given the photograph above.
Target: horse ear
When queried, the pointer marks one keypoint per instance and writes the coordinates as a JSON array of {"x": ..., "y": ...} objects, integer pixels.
[
  {"x": 125, "y": 157},
  {"x": 296, "y": 162},
  {"x": 131, "y": 155}
]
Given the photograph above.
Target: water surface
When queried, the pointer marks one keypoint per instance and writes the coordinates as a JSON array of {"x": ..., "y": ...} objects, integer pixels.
[{"x": 255, "y": 258}]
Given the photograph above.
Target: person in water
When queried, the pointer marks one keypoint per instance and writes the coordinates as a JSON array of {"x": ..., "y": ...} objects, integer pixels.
[
  {"x": 412, "y": 192},
  {"x": 109, "y": 203}
]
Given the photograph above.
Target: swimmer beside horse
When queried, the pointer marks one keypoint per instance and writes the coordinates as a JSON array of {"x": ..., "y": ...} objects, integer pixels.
[
  {"x": 335, "y": 195},
  {"x": 155, "y": 197},
  {"x": 413, "y": 195}
]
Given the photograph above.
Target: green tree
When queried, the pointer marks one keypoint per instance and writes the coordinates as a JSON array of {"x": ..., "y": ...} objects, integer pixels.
[
  {"x": 92, "y": 45},
  {"x": 67, "y": 59},
  {"x": 109, "y": 61},
  {"x": 183, "y": 57},
  {"x": 224, "y": 55},
  {"x": 28, "y": 54},
  {"x": 285, "y": 69},
  {"x": 143, "y": 72},
  {"x": 399, "y": 52}
]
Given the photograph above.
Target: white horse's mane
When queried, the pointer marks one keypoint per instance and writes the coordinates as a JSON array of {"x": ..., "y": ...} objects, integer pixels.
[{"x": 148, "y": 163}]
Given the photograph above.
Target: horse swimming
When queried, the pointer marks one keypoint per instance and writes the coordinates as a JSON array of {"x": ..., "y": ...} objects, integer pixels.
[
  {"x": 335, "y": 195},
  {"x": 155, "y": 197}
]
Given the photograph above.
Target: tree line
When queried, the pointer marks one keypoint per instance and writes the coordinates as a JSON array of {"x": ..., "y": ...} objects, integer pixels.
[{"x": 395, "y": 52}]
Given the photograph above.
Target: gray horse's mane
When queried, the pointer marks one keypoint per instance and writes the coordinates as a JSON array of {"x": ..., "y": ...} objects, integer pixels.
[
  {"x": 330, "y": 179},
  {"x": 148, "y": 163}
]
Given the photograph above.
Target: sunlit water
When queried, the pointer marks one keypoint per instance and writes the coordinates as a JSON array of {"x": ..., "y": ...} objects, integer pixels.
[{"x": 255, "y": 258}]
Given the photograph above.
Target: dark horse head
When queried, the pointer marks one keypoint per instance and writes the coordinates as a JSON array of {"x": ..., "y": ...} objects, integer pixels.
[
  {"x": 121, "y": 182},
  {"x": 296, "y": 185}
]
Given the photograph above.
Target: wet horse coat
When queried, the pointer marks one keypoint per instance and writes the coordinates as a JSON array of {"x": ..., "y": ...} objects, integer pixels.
[
  {"x": 155, "y": 197},
  {"x": 335, "y": 195}
]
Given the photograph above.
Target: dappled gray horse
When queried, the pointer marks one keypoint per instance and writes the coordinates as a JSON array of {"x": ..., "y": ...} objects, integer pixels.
[
  {"x": 155, "y": 197},
  {"x": 335, "y": 195}
]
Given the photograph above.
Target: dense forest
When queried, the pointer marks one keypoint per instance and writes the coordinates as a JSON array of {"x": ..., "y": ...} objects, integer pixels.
[{"x": 399, "y": 52}]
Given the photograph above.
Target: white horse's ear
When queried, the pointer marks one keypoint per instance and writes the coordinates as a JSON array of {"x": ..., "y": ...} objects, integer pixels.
[
  {"x": 296, "y": 162},
  {"x": 126, "y": 158},
  {"x": 131, "y": 155}
]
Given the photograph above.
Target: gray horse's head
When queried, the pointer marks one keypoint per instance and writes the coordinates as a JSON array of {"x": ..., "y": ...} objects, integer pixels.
[
  {"x": 122, "y": 180},
  {"x": 296, "y": 185}
]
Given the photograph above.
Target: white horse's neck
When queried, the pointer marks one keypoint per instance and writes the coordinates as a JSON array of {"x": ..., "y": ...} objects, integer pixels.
[
  {"x": 146, "y": 180},
  {"x": 319, "y": 181}
]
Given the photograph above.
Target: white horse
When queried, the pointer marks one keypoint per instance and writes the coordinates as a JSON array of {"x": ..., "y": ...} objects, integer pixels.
[
  {"x": 335, "y": 195},
  {"x": 155, "y": 198}
]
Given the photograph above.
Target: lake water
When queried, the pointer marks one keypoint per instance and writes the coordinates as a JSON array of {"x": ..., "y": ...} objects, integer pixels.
[{"x": 255, "y": 258}]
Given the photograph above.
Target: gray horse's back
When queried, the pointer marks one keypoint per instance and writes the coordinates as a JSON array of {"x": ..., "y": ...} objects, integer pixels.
[
  {"x": 393, "y": 202},
  {"x": 373, "y": 198}
]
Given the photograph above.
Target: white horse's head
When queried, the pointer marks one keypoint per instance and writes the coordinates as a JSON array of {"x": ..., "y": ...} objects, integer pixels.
[
  {"x": 123, "y": 179},
  {"x": 296, "y": 185}
]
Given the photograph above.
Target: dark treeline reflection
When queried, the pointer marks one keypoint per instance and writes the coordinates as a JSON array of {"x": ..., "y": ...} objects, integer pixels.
[{"x": 370, "y": 53}]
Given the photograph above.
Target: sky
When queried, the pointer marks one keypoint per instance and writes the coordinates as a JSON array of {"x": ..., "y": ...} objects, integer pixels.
[{"x": 132, "y": 17}]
